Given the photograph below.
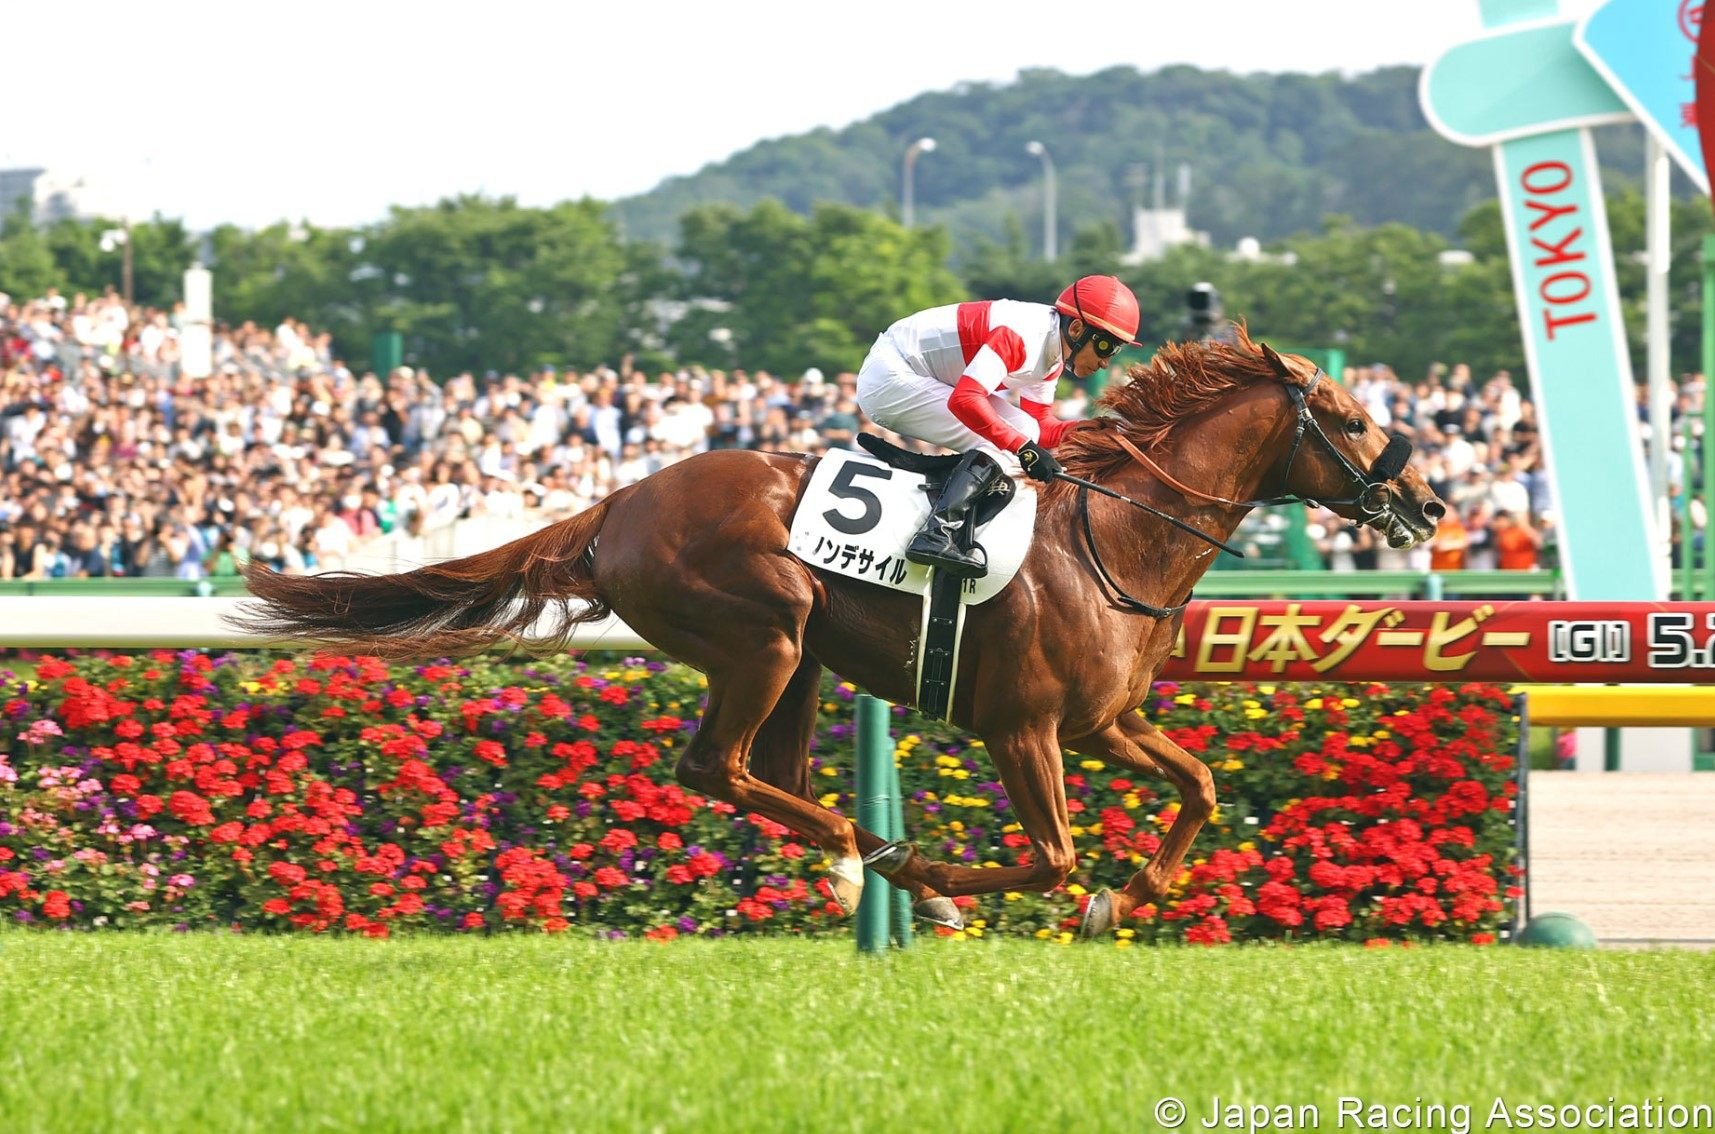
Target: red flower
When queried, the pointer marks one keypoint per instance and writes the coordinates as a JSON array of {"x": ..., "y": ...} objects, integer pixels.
[
  {"x": 191, "y": 809},
  {"x": 609, "y": 878},
  {"x": 56, "y": 904}
]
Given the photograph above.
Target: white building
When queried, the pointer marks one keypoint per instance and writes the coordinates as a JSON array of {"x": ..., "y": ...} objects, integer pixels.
[{"x": 52, "y": 195}]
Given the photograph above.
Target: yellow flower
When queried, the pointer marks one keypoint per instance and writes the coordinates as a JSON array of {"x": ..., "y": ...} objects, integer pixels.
[
  {"x": 1252, "y": 704},
  {"x": 980, "y": 923},
  {"x": 1076, "y": 890},
  {"x": 1313, "y": 704},
  {"x": 1011, "y": 828},
  {"x": 1331, "y": 772},
  {"x": 1381, "y": 734},
  {"x": 1351, "y": 702},
  {"x": 828, "y": 706},
  {"x": 1064, "y": 937},
  {"x": 944, "y": 761},
  {"x": 1185, "y": 699},
  {"x": 1131, "y": 801},
  {"x": 1266, "y": 690},
  {"x": 1011, "y": 896},
  {"x": 1232, "y": 765},
  {"x": 1356, "y": 741},
  {"x": 829, "y": 770},
  {"x": 1123, "y": 943},
  {"x": 1247, "y": 845},
  {"x": 1044, "y": 934},
  {"x": 1090, "y": 765},
  {"x": 1077, "y": 832},
  {"x": 829, "y": 799},
  {"x": 1255, "y": 714},
  {"x": 955, "y": 825},
  {"x": 973, "y": 931},
  {"x": 1124, "y": 933}
]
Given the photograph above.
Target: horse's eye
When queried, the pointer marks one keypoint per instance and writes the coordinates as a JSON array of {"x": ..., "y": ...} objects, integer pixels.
[{"x": 1355, "y": 428}]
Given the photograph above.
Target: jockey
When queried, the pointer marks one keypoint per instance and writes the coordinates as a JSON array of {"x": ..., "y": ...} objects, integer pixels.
[{"x": 949, "y": 375}]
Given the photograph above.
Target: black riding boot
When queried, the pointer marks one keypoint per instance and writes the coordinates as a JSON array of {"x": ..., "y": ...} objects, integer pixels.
[{"x": 937, "y": 544}]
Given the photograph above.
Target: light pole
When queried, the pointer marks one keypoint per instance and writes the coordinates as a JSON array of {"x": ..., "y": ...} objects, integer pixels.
[
  {"x": 1049, "y": 227},
  {"x": 121, "y": 238},
  {"x": 920, "y": 146}
]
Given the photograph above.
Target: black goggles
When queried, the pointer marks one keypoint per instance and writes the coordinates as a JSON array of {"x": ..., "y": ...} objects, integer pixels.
[{"x": 1104, "y": 344}]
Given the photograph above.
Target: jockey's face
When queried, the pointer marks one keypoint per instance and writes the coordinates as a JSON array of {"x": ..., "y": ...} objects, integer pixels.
[{"x": 1095, "y": 355}]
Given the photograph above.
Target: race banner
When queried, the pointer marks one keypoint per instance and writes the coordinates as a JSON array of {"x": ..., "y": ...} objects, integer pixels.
[{"x": 1517, "y": 641}]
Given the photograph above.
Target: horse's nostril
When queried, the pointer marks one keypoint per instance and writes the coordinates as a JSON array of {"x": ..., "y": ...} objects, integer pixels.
[{"x": 1434, "y": 510}]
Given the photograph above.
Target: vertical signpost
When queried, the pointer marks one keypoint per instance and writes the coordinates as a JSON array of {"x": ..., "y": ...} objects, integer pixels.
[
  {"x": 1646, "y": 52},
  {"x": 1524, "y": 89}
]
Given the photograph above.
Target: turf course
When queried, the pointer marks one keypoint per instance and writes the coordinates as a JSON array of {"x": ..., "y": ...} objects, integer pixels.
[{"x": 146, "y": 1033}]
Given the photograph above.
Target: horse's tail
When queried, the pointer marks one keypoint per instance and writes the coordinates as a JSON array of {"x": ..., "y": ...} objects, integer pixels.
[{"x": 446, "y": 609}]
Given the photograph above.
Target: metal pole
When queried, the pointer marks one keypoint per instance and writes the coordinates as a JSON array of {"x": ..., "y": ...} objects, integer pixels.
[
  {"x": 905, "y": 202},
  {"x": 1706, "y": 461},
  {"x": 875, "y": 812},
  {"x": 907, "y": 191},
  {"x": 1050, "y": 229},
  {"x": 1659, "y": 255},
  {"x": 125, "y": 265}
]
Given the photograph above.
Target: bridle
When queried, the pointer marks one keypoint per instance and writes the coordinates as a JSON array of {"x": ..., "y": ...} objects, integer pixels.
[{"x": 1373, "y": 497}]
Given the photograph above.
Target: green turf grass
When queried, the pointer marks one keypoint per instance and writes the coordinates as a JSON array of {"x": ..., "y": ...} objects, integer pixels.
[{"x": 184, "y": 1033}]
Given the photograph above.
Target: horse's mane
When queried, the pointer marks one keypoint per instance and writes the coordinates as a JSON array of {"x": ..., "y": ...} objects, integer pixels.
[{"x": 1181, "y": 381}]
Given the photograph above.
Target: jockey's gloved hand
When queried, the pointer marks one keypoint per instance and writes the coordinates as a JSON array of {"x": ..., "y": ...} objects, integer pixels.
[{"x": 1039, "y": 463}]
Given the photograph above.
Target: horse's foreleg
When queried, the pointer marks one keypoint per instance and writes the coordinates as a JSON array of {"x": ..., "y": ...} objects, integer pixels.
[
  {"x": 1033, "y": 774},
  {"x": 1138, "y": 746}
]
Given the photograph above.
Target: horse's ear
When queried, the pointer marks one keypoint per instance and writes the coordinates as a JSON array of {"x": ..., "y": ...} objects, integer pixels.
[{"x": 1275, "y": 361}]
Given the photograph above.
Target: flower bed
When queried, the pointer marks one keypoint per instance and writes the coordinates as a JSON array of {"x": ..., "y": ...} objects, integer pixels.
[{"x": 180, "y": 790}]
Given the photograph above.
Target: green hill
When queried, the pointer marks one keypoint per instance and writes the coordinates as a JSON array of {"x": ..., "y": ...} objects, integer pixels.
[{"x": 1267, "y": 155}]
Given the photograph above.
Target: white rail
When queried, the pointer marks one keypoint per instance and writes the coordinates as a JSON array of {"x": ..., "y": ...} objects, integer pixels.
[{"x": 137, "y": 623}]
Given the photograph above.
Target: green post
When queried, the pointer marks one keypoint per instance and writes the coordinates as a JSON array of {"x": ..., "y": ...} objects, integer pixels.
[
  {"x": 1610, "y": 750},
  {"x": 875, "y": 776},
  {"x": 386, "y": 353},
  {"x": 1434, "y": 587},
  {"x": 1707, "y": 453},
  {"x": 900, "y": 905}
]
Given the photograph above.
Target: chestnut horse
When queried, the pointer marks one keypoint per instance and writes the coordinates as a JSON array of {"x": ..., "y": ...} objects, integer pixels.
[{"x": 693, "y": 558}]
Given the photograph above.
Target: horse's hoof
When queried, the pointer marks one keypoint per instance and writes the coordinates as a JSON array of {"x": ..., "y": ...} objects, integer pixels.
[
  {"x": 939, "y": 911},
  {"x": 1099, "y": 916},
  {"x": 845, "y": 877},
  {"x": 890, "y": 858}
]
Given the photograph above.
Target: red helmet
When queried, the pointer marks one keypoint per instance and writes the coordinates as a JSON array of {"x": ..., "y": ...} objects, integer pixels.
[{"x": 1105, "y": 302}]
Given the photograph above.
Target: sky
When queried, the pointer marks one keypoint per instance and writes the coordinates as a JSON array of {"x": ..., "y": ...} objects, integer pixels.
[{"x": 253, "y": 111}]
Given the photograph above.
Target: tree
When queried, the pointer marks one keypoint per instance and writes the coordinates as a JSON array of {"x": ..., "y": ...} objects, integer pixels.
[{"x": 774, "y": 290}]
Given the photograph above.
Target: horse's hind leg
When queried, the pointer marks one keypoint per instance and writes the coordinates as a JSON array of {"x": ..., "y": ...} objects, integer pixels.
[
  {"x": 746, "y": 683},
  {"x": 779, "y": 756},
  {"x": 1138, "y": 746}
]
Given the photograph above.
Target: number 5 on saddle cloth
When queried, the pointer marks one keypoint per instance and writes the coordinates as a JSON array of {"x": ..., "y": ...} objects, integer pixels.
[{"x": 856, "y": 517}]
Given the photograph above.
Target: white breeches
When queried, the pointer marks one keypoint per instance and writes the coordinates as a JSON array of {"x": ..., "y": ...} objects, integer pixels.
[{"x": 896, "y": 397}]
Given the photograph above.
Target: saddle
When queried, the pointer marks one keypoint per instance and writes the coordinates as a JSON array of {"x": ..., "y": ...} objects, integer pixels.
[{"x": 935, "y": 470}]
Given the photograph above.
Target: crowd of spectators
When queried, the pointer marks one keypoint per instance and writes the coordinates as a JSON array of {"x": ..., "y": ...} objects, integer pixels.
[{"x": 114, "y": 463}]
